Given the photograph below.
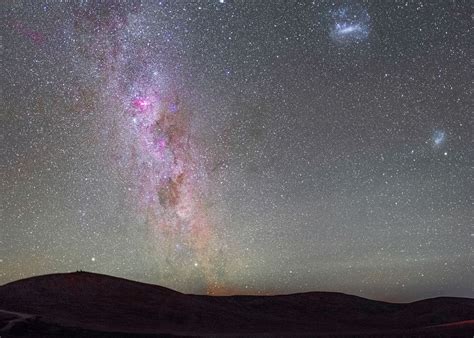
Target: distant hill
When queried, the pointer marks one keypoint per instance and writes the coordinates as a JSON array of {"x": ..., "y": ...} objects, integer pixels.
[{"x": 92, "y": 305}]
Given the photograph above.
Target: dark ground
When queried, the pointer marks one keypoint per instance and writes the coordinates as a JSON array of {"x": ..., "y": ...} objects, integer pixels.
[{"x": 91, "y": 305}]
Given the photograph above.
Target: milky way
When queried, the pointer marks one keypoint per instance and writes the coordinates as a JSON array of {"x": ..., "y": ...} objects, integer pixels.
[
  {"x": 244, "y": 147},
  {"x": 150, "y": 138}
]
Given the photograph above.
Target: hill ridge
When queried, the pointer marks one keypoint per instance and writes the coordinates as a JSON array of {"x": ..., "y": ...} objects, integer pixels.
[{"x": 86, "y": 302}]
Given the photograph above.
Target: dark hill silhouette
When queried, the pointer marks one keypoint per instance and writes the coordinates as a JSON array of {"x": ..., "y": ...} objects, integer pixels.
[{"x": 91, "y": 305}]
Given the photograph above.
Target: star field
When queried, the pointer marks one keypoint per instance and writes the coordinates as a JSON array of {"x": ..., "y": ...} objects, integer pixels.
[{"x": 228, "y": 147}]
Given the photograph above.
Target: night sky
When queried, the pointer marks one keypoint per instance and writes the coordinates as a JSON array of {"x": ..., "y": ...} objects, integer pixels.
[{"x": 252, "y": 147}]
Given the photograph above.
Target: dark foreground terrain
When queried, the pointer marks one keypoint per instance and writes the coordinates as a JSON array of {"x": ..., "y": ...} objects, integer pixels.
[{"x": 91, "y": 305}]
